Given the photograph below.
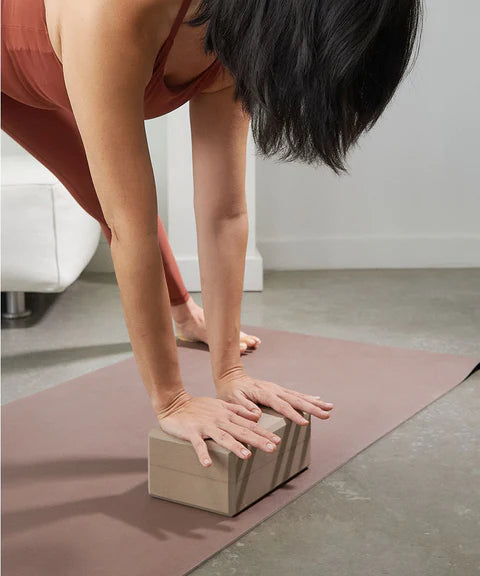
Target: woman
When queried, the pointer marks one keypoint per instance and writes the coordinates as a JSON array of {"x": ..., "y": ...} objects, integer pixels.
[{"x": 78, "y": 80}]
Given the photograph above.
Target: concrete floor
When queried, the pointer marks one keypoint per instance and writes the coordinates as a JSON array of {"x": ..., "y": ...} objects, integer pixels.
[{"x": 409, "y": 504}]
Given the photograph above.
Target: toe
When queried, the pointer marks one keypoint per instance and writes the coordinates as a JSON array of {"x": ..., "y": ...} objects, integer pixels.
[{"x": 251, "y": 341}]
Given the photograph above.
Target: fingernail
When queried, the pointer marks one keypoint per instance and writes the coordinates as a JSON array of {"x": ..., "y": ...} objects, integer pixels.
[
  {"x": 206, "y": 461},
  {"x": 245, "y": 452},
  {"x": 276, "y": 439},
  {"x": 270, "y": 446}
]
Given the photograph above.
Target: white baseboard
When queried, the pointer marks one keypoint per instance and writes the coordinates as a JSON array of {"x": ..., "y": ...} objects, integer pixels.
[
  {"x": 332, "y": 253},
  {"x": 189, "y": 268},
  {"x": 253, "y": 280},
  {"x": 349, "y": 252}
]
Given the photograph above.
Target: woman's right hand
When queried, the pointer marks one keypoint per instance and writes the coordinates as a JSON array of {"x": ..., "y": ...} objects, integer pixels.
[{"x": 195, "y": 418}]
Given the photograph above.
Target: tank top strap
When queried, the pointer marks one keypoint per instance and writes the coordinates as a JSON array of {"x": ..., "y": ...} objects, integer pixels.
[
  {"x": 177, "y": 22},
  {"x": 165, "y": 49}
]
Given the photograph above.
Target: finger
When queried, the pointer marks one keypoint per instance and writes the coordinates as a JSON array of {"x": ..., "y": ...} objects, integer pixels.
[
  {"x": 201, "y": 449},
  {"x": 241, "y": 399},
  {"x": 256, "y": 429},
  {"x": 223, "y": 438},
  {"x": 284, "y": 407},
  {"x": 313, "y": 399},
  {"x": 250, "y": 437},
  {"x": 301, "y": 404},
  {"x": 245, "y": 412}
]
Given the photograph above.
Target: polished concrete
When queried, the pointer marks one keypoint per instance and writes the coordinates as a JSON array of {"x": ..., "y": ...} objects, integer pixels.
[{"x": 409, "y": 504}]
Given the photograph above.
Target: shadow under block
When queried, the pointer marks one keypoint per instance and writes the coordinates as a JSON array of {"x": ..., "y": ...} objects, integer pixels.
[{"x": 230, "y": 483}]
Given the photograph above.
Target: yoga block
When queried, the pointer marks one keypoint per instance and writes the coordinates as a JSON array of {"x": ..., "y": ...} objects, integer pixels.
[{"x": 230, "y": 483}]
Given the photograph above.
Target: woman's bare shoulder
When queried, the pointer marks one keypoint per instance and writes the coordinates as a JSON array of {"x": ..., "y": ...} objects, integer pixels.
[
  {"x": 151, "y": 16},
  {"x": 115, "y": 6},
  {"x": 144, "y": 20}
]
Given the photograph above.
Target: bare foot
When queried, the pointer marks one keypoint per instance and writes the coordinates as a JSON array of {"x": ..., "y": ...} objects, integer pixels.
[{"x": 189, "y": 321}]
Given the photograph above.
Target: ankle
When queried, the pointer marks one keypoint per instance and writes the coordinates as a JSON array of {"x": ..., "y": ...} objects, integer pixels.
[{"x": 183, "y": 312}]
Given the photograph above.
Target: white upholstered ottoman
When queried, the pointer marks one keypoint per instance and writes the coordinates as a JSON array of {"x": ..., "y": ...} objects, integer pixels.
[{"x": 47, "y": 238}]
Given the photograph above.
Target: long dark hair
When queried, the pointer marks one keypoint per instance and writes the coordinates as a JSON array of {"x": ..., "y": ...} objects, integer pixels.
[{"x": 312, "y": 74}]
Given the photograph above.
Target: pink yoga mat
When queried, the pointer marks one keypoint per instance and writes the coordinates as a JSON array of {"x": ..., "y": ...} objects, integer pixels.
[{"x": 74, "y": 457}]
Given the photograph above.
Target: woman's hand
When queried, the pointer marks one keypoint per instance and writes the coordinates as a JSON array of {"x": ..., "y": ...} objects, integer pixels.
[
  {"x": 195, "y": 418},
  {"x": 241, "y": 389}
]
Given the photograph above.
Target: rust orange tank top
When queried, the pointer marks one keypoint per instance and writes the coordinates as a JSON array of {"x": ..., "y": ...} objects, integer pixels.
[{"x": 33, "y": 74}]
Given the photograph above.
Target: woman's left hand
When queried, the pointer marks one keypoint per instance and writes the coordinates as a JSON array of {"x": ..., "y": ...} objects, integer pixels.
[{"x": 240, "y": 388}]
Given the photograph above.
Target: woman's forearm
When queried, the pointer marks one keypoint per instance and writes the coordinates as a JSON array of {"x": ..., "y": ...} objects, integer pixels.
[
  {"x": 222, "y": 245},
  {"x": 144, "y": 295}
]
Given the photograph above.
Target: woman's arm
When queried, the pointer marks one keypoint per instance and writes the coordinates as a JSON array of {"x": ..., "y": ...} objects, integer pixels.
[
  {"x": 219, "y": 134},
  {"x": 107, "y": 63},
  {"x": 219, "y": 130},
  {"x": 108, "y": 60}
]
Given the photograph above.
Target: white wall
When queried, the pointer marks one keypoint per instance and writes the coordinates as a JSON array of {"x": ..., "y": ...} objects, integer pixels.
[
  {"x": 169, "y": 143},
  {"x": 413, "y": 196},
  {"x": 9, "y": 146}
]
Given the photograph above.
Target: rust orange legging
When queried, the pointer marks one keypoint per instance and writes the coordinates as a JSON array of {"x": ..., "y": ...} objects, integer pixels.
[{"x": 52, "y": 137}]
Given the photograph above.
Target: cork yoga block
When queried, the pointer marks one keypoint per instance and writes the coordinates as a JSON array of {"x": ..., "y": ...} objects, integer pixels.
[{"x": 230, "y": 483}]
